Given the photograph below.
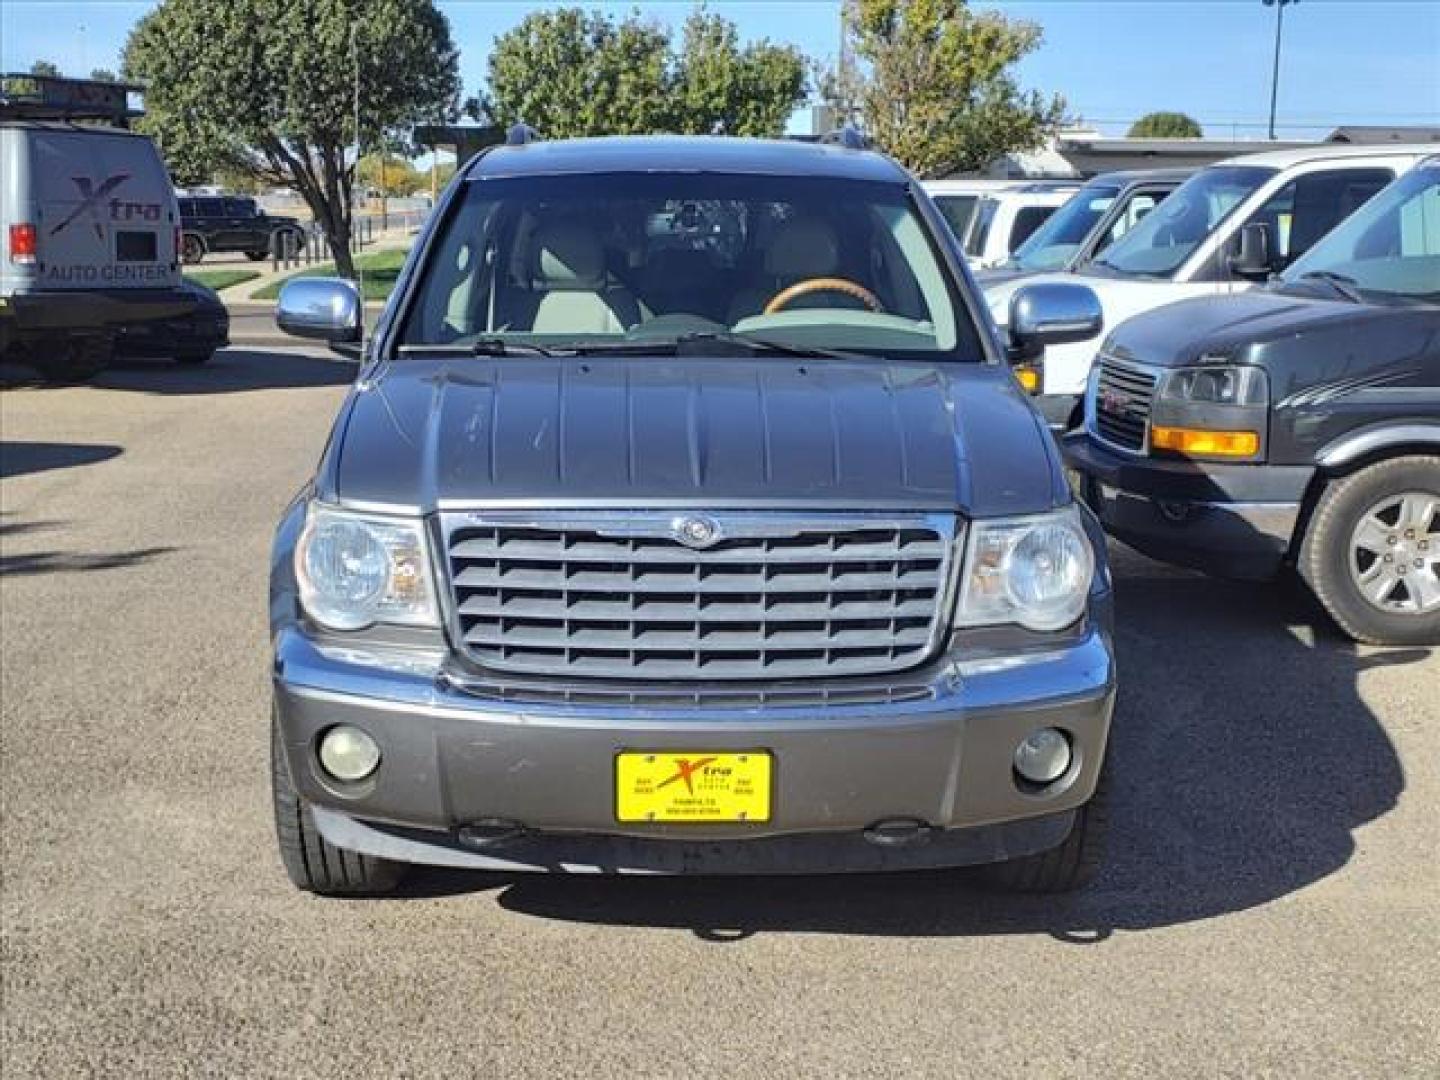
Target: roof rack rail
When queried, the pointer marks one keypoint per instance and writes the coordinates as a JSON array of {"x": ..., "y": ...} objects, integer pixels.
[
  {"x": 52, "y": 97},
  {"x": 520, "y": 134},
  {"x": 849, "y": 136}
]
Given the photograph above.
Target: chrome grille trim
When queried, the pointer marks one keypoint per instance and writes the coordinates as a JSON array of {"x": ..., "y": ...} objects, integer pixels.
[
  {"x": 618, "y": 596},
  {"x": 1136, "y": 383}
]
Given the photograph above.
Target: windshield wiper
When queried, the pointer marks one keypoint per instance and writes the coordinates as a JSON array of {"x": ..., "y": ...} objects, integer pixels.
[
  {"x": 755, "y": 344},
  {"x": 480, "y": 347},
  {"x": 1341, "y": 283}
]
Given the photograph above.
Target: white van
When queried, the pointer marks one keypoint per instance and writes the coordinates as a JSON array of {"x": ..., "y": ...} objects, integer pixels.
[
  {"x": 89, "y": 227},
  {"x": 1277, "y": 203}
]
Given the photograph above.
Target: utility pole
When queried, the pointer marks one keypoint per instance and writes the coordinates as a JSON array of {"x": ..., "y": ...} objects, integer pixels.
[{"x": 1279, "y": 6}]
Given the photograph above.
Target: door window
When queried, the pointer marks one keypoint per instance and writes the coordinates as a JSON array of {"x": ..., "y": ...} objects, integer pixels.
[
  {"x": 1027, "y": 220},
  {"x": 210, "y": 207},
  {"x": 1308, "y": 207}
]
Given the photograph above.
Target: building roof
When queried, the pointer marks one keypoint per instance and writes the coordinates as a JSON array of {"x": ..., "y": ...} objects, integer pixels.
[
  {"x": 1126, "y": 177},
  {"x": 697, "y": 153},
  {"x": 1375, "y": 133}
]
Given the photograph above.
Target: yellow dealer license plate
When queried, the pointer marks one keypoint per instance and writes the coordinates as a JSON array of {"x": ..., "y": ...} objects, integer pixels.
[{"x": 692, "y": 786}]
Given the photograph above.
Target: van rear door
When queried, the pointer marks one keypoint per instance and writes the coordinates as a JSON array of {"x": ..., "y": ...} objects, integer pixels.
[{"x": 106, "y": 210}]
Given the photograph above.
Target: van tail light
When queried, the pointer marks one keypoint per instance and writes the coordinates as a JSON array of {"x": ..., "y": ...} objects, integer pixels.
[{"x": 23, "y": 245}]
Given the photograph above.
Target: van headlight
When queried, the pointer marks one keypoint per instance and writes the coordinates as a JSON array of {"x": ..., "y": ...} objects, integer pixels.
[
  {"x": 355, "y": 570},
  {"x": 1035, "y": 571}
]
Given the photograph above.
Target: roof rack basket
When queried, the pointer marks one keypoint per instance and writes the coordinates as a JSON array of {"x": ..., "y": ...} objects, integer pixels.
[{"x": 50, "y": 97}]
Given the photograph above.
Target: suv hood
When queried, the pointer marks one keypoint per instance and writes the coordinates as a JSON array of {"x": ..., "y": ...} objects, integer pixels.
[
  {"x": 744, "y": 433},
  {"x": 1244, "y": 325}
]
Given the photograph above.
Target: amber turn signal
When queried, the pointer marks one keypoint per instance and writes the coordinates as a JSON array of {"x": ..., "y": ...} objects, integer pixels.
[
  {"x": 1029, "y": 377},
  {"x": 1198, "y": 443}
]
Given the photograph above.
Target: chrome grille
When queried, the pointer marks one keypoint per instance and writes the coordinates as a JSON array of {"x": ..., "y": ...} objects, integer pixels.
[
  {"x": 1122, "y": 404},
  {"x": 775, "y": 598}
]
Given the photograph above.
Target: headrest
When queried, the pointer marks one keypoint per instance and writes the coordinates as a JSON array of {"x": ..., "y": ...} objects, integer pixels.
[
  {"x": 567, "y": 255},
  {"x": 803, "y": 248}
]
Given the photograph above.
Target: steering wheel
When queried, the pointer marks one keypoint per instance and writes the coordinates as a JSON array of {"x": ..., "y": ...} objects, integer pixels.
[{"x": 782, "y": 299}]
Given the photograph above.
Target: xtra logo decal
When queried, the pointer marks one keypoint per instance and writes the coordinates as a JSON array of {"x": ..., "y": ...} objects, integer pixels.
[{"x": 90, "y": 198}]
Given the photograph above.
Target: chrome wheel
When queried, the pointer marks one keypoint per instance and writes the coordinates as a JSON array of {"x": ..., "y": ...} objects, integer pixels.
[{"x": 1395, "y": 553}]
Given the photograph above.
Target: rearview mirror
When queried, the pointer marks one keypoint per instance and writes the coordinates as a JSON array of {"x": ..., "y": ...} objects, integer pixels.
[
  {"x": 1251, "y": 256},
  {"x": 323, "y": 309},
  {"x": 1052, "y": 314}
]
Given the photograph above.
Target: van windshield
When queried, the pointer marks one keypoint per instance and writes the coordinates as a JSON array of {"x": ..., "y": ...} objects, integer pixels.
[
  {"x": 1051, "y": 246},
  {"x": 598, "y": 263},
  {"x": 1168, "y": 235},
  {"x": 1388, "y": 249}
]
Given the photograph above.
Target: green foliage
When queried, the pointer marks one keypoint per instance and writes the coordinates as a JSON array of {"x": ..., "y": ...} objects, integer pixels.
[
  {"x": 380, "y": 270},
  {"x": 935, "y": 85},
  {"x": 397, "y": 178},
  {"x": 221, "y": 279},
  {"x": 44, "y": 67},
  {"x": 103, "y": 75},
  {"x": 1166, "y": 125},
  {"x": 267, "y": 87},
  {"x": 572, "y": 73}
]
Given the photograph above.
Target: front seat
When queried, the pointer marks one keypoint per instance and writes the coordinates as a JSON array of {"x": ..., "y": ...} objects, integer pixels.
[
  {"x": 567, "y": 274},
  {"x": 802, "y": 248}
]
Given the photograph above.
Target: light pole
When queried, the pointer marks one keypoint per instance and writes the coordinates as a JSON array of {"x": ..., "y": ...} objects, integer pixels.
[{"x": 1279, "y": 6}]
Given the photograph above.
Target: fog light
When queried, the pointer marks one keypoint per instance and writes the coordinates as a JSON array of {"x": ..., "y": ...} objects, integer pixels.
[
  {"x": 348, "y": 754},
  {"x": 1043, "y": 757}
]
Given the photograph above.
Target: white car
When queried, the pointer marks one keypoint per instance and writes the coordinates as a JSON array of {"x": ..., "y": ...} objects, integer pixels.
[
  {"x": 1227, "y": 228},
  {"x": 957, "y": 198},
  {"x": 1003, "y": 220}
]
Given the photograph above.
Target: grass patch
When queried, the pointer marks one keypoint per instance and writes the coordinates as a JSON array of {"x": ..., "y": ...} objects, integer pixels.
[
  {"x": 221, "y": 279},
  {"x": 379, "y": 269}
]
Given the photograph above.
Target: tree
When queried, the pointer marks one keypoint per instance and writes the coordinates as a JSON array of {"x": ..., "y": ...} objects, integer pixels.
[
  {"x": 934, "y": 87},
  {"x": 1166, "y": 125},
  {"x": 103, "y": 75},
  {"x": 741, "y": 91},
  {"x": 44, "y": 68},
  {"x": 573, "y": 73},
  {"x": 266, "y": 87},
  {"x": 399, "y": 176}
]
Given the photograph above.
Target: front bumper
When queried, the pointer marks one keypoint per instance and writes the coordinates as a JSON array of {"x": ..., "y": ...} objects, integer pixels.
[
  {"x": 471, "y": 781},
  {"x": 1235, "y": 521}
]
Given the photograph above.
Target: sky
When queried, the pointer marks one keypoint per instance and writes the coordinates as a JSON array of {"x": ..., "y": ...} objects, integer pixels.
[{"x": 1343, "y": 61}]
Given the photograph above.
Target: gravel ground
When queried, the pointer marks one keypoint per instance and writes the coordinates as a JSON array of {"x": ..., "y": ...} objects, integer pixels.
[{"x": 1269, "y": 906}]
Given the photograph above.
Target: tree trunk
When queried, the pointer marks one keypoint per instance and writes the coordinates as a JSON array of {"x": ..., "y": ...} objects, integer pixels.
[{"x": 319, "y": 176}]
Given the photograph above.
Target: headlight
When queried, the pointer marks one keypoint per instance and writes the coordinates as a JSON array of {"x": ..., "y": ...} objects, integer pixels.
[
  {"x": 1227, "y": 385},
  {"x": 1035, "y": 571},
  {"x": 355, "y": 570}
]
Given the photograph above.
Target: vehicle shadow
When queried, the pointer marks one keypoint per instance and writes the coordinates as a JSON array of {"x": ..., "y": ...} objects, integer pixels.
[
  {"x": 20, "y": 458},
  {"x": 232, "y": 370},
  {"x": 66, "y": 562},
  {"x": 1244, "y": 759}
]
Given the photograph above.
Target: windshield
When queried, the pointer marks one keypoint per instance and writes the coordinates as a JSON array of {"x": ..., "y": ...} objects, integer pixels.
[
  {"x": 1388, "y": 248},
  {"x": 1051, "y": 246},
  {"x": 956, "y": 210},
  {"x": 1167, "y": 236},
  {"x": 656, "y": 260}
]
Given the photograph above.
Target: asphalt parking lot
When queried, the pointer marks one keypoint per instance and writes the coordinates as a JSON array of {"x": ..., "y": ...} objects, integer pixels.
[{"x": 1269, "y": 906}]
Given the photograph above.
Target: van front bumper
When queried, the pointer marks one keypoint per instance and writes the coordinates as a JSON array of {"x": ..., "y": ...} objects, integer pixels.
[
  {"x": 470, "y": 781},
  {"x": 1235, "y": 521}
]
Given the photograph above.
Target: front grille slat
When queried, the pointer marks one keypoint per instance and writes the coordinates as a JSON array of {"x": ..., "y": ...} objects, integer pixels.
[
  {"x": 1123, "y": 399},
  {"x": 858, "y": 595}
]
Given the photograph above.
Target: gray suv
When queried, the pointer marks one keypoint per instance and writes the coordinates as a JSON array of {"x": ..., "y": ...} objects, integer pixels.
[{"x": 685, "y": 518}]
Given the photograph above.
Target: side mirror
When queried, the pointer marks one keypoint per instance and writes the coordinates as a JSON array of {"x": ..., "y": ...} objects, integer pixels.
[
  {"x": 324, "y": 309},
  {"x": 1052, "y": 314},
  {"x": 1251, "y": 255}
]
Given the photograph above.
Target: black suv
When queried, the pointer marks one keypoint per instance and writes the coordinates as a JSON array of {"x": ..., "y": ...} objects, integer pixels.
[
  {"x": 215, "y": 223},
  {"x": 1297, "y": 425}
]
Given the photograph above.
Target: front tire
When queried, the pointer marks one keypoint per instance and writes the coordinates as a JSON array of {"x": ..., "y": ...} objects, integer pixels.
[
  {"x": 313, "y": 863},
  {"x": 1371, "y": 554},
  {"x": 257, "y": 256},
  {"x": 192, "y": 249},
  {"x": 1070, "y": 866}
]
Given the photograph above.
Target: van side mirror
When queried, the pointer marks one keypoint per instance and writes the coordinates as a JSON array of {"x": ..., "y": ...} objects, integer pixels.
[
  {"x": 323, "y": 309},
  {"x": 1052, "y": 314},
  {"x": 1251, "y": 255}
]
